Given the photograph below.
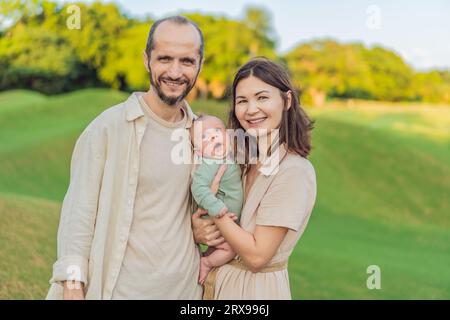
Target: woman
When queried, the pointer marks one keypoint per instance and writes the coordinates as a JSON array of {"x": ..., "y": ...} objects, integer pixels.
[{"x": 278, "y": 199}]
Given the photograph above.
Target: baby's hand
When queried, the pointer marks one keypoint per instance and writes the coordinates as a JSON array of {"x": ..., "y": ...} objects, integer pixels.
[
  {"x": 232, "y": 215},
  {"x": 222, "y": 213}
]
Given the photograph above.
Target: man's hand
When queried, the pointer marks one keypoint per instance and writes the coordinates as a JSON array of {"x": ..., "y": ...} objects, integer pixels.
[
  {"x": 73, "y": 290},
  {"x": 205, "y": 231}
]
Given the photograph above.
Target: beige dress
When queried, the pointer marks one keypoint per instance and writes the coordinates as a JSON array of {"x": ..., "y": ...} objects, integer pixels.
[{"x": 286, "y": 199}]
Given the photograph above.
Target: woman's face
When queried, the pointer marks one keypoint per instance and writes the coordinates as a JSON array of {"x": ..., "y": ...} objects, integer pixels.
[{"x": 258, "y": 106}]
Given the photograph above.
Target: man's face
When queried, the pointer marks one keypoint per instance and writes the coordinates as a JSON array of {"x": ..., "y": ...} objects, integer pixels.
[{"x": 174, "y": 61}]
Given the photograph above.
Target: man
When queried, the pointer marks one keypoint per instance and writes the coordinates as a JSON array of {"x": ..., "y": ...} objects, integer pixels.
[{"x": 125, "y": 228}]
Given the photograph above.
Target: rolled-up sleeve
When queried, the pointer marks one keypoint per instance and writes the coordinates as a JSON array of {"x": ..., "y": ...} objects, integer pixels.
[
  {"x": 289, "y": 198},
  {"x": 79, "y": 208}
]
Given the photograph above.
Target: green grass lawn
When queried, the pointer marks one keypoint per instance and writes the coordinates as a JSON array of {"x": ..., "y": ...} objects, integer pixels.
[{"x": 383, "y": 175}]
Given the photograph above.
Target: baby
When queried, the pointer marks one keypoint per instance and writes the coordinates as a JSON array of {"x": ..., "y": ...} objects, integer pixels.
[{"x": 211, "y": 147}]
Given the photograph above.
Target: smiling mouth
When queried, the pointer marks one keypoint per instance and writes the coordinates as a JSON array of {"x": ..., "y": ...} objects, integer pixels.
[
  {"x": 256, "y": 121},
  {"x": 173, "y": 84}
]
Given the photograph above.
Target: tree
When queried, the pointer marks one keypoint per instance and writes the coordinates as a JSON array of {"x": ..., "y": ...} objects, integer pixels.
[
  {"x": 38, "y": 51},
  {"x": 27, "y": 65},
  {"x": 432, "y": 86},
  {"x": 228, "y": 45},
  {"x": 326, "y": 68},
  {"x": 124, "y": 68}
]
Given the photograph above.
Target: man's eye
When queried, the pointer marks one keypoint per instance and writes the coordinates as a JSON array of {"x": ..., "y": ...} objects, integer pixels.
[{"x": 164, "y": 59}]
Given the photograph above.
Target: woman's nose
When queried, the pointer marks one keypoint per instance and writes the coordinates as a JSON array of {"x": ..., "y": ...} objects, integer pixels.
[{"x": 252, "y": 108}]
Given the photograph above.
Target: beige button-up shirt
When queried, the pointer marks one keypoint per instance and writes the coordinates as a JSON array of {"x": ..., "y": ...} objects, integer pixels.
[{"x": 97, "y": 210}]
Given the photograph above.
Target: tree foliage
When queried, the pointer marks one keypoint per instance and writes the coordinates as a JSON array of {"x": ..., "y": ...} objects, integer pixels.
[{"x": 38, "y": 51}]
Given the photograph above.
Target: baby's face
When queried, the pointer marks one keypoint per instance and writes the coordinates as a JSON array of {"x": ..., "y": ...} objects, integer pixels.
[{"x": 211, "y": 142}]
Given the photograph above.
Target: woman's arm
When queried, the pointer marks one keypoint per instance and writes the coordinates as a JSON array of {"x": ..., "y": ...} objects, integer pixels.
[
  {"x": 256, "y": 249},
  {"x": 285, "y": 206}
]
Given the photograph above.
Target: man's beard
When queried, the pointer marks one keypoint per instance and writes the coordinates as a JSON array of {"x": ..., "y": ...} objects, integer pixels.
[{"x": 171, "y": 101}]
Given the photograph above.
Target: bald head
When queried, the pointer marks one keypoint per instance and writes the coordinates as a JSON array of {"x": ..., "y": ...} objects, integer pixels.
[
  {"x": 175, "y": 28},
  {"x": 173, "y": 58}
]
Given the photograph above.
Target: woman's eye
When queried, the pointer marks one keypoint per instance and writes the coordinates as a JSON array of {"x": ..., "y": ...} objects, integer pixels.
[
  {"x": 240, "y": 101},
  {"x": 262, "y": 98}
]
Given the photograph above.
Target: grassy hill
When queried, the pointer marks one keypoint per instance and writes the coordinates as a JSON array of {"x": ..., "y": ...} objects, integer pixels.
[
  {"x": 383, "y": 176},
  {"x": 28, "y": 241}
]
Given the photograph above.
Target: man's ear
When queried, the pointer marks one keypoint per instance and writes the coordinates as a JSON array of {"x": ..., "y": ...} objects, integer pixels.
[
  {"x": 289, "y": 99},
  {"x": 201, "y": 65},
  {"x": 146, "y": 60}
]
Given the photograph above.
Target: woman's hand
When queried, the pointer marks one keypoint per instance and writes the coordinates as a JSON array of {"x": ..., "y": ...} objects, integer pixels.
[
  {"x": 224, "y": 212},
  {"x": 232, "y": 215},
  {"x": 205, "y": 231}
]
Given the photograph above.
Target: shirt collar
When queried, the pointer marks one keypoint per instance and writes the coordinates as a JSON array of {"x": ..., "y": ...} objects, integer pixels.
[
  {"x": 271, "y": 165},
  {"x": 134, "y": 110}
]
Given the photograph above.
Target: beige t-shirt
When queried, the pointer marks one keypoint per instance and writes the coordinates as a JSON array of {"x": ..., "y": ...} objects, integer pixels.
[{"x": 161, "y": 259}]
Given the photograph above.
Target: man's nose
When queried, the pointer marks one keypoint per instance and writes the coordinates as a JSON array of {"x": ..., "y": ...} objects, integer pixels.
[{"x": 174, "y": 71}]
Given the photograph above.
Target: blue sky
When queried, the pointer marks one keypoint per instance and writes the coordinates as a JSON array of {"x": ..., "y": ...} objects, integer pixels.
[{"x": 418, "y": 30}]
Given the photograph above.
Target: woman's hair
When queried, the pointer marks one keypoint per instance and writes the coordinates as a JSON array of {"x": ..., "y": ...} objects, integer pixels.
[{"x": 295, "y": 126}]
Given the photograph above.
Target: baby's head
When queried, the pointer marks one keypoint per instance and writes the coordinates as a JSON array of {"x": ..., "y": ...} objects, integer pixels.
[{"x": 209, "y": 137}]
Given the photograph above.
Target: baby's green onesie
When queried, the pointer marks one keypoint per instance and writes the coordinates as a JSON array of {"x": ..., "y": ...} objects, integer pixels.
[{"x": 230, "y": 193}]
